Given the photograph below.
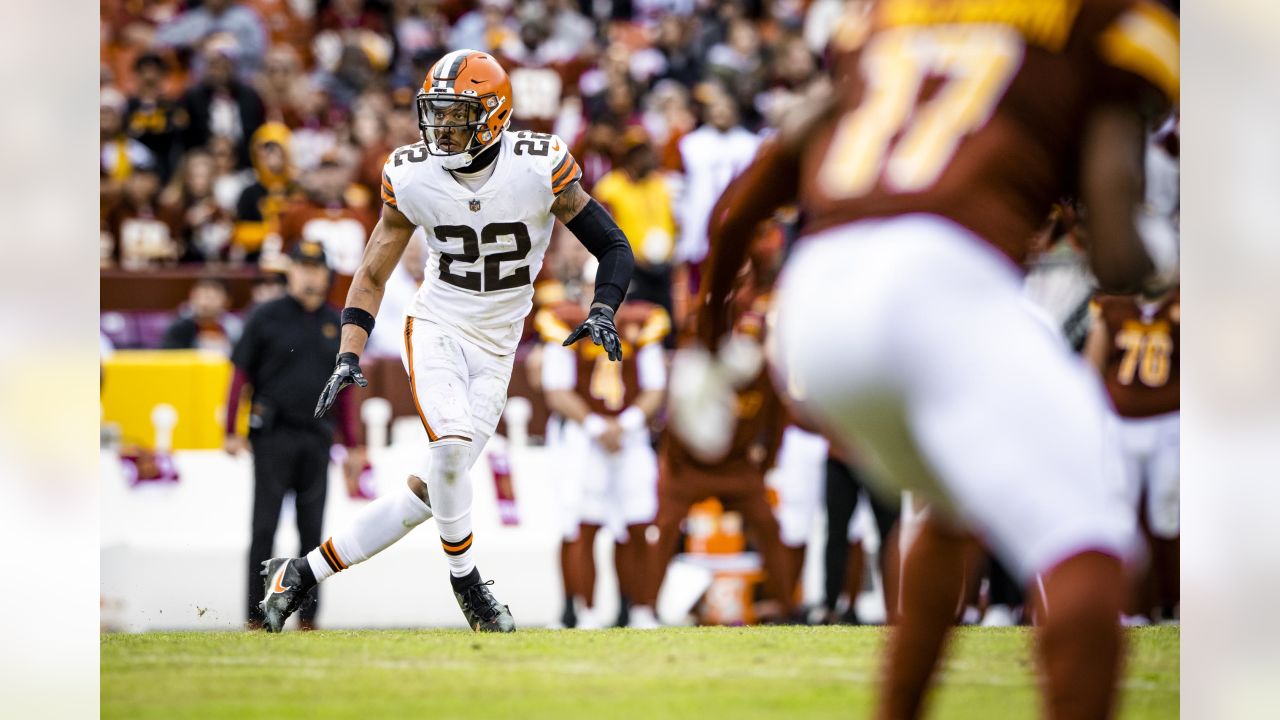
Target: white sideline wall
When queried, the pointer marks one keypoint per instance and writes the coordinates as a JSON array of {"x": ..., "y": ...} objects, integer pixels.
[{"x": 173, "y": 555}]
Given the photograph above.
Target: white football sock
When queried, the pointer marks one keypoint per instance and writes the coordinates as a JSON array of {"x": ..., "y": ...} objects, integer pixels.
[
  {"x": 375, "y": 528},
  {"x": 449, "y": 485}
]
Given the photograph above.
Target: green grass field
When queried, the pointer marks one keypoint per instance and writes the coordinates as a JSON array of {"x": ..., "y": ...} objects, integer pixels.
[{"x": 724, "y": 673}]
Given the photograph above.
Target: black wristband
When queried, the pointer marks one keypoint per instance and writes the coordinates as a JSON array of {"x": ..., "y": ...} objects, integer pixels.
[
  {"x": 349, "y": 358},
  {"x": 358, "y": 317}
]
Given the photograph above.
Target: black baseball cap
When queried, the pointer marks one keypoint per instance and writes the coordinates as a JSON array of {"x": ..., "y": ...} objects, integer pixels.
[{"x": 309, "y": 251}]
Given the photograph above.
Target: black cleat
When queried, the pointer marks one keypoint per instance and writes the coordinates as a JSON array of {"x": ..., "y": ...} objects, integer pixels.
[
  {"x": 569, "y": 618},
  {"x": 283, "y": 593},
  {"x": 482, "y": 611}
]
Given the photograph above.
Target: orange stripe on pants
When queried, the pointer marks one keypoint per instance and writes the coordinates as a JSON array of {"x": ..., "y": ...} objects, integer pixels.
[{"x": 413, "y": 386}]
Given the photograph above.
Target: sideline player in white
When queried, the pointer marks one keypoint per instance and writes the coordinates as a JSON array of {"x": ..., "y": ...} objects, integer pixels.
[
  {"x": 487, "y": 198},
  {"x": 609, "y": 474}
]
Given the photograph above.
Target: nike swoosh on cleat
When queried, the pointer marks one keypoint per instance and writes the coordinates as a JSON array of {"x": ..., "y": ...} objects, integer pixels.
[{"x": 277, "y": 586}]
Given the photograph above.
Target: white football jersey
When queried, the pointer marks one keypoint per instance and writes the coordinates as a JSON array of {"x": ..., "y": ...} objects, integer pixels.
[{"x": 485, "y": 247}]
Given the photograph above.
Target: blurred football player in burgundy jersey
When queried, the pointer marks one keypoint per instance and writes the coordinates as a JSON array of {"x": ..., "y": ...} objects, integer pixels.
[
  {"x": 1134, "y": 343},
  {"x": 901, "y": 322},
  {"x": 726, "y": 436}
]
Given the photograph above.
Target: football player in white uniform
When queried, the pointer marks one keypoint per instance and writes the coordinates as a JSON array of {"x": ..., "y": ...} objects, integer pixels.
[{"x": 487, "y": 199}]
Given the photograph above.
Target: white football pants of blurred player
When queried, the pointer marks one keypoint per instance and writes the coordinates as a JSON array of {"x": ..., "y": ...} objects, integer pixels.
[
  {"x": 619, "y": 492},
  {"x": 799, "y": 478},
  {"x": 1152, "y": 473},
  {"x": 911, "y": 337},
  {"x": 1151, "y": 465}
]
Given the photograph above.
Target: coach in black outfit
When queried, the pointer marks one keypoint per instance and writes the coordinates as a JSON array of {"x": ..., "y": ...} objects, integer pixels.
[{"x": 285, "y": 356}]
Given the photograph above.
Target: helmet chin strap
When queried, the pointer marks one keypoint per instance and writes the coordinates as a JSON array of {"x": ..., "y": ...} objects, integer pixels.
[
  {"x": 463, "y": 160},
  {"x": 455, "y": 162}
]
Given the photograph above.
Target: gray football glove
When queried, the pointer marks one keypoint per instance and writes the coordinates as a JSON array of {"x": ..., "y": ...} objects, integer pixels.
[
  {"x": 599, "y": 324},
  {"x": 346, "y": 372}
]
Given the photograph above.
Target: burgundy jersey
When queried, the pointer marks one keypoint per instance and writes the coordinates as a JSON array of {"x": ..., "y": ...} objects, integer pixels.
[
  {"x": 761, "y": 417},
  {"x": 606, "y": 386},
  {"x": 1142, "y": 361},
  {"x": 974, "y": 110}
]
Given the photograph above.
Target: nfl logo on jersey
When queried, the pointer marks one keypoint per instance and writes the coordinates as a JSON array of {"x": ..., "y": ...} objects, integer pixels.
[{"x": 475, "y": 205}]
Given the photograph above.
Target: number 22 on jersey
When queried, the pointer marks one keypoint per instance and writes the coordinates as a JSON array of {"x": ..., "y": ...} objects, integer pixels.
[
  {"x": 492, "y": 278},
  {"x": 976, "y": 63}
]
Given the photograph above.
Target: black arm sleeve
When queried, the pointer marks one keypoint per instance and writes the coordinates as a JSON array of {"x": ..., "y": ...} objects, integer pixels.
[{"x": 602, "y": 237}]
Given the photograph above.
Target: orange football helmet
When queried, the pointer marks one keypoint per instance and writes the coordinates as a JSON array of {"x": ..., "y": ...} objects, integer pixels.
[{"x": 466, "y": 90}]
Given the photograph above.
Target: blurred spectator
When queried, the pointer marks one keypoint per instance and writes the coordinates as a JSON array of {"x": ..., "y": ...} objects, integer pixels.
[
  {"x": 400, "y": 127},
  {"x": 651, "y": 11},
  {"x": 794, "y": 64},
  {"x": 571, "y": 31},
  {"x": 326, "y": 217},
  {"x": 151, "y": 117},
  {"x": 229, "y": 179},
  {"x": 353, "y": 71},
  {"x": 619, "y": 104},
  {"x": 128, "y": 31},
  {"x": 487, "y": 28},
  {"x": 106, "y": 77},
  {"x": 135, "y": 234},
  {"x": 202, "y": 227},
  {"x": 640, "y": 201},
  {"x": 737, "y": 62},
  {"x": 120, "y": 154},
  {"x": 368, "y": 131},
  {"x": 418, "y": 27},
  {"x": 288, "y": 24},
  {"x": 711, "y": 155},
  {"x": 793, "y": 69},
  {"x": 313, "y": 126},
  {"x": 343, "y": 15},
  {"x": 280, "y": 76},
  {"x": 668, "y": 117},
  {"x": 672, "y": 57},
  {"x": 268, "y": 286},
  {"x": 204, "y": 323},
  {"x": 260, "y": 205},
  {"x": 221, "y": 105},
  {"x": 226, "y": 18},
  {"x": 544, "y": 78},
  {"x": 612, "y": 70},
  {"x": 595, "y": 153},
  {"x": 713, "y": 22},
  {"x": 416, "y": 68}
]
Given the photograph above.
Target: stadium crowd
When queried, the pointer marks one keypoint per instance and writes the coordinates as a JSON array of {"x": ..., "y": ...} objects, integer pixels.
[{"x": 227, "y": 126}]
